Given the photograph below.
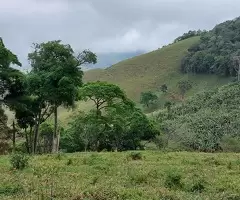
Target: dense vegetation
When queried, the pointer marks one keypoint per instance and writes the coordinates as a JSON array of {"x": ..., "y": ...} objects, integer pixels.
[
  {"x": 189, "y": 34},
  {"x": 208, "y": 121},
  {"x": 217, "y": 52},
  {"x": 55, "y": 79}
]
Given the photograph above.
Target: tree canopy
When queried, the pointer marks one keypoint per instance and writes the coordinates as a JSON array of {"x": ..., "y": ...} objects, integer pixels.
[
  {"x": 148, "y": 98},
  {"x": 215, "y": 51},
  {"x": 55, "y": 78},
  {"x": 203, "y": 121}
]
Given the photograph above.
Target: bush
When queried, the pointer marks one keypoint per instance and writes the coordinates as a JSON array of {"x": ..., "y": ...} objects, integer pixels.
[
  {"x": 19, "y": 161},
  {"x": 198, "y": 186},
  {"x": 60, "y": 155},
  {"x": 173, "y": 180},
  {"x": 135, "y": 156},
  {"x": 70, "y": 161},
  {"x": 10, "y": 189},
  {"x": 230, "y": 144}
]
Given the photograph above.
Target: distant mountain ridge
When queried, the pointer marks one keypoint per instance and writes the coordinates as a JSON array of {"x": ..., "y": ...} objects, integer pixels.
[{"x": 108, "y": 59}]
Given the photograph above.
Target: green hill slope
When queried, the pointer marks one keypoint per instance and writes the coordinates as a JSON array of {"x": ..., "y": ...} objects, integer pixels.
[{"x": 149, "y": 71}]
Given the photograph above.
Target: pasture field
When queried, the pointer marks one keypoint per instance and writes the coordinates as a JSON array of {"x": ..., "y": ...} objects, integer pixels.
[{"x": 140, "y": 175}]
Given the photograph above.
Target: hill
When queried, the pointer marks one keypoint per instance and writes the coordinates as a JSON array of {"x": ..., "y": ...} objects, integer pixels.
[
  {"x": 95, "y": 176},
  {"x": 217, "y": 52},
  {"x": 149, "y": 71}
]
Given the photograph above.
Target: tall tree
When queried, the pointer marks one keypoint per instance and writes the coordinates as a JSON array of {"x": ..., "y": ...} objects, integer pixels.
[
  {"x": 103, "y": 95},
  {"x": 11, "y": 87},
  {"x": 59, "y": 77},
  {"x": 183, "y": 87},
  {"x": 236, "y": 60},
  {"x": 148, "y": 98},
  {"x": 164, "y": 88}
]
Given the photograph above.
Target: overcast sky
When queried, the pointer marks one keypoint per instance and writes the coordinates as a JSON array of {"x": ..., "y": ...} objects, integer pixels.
[{"x": 105, "y": 26}]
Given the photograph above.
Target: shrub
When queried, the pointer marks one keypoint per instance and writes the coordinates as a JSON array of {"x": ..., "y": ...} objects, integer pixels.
[
  {"x": 19, "y": 161},
  {"x": 230, "y": 144},
  {"x": 173, "y": 180},
  {"x": 70, "y": 161},
  {"x": 229, "y": 165},
  {"x": 11, "y": 189},
  {"x": 60, "y": 155},
  {"x": 135, "y": 156},
  {"x": 138, "y": 178},
  {"x": 198, "y": 186}
]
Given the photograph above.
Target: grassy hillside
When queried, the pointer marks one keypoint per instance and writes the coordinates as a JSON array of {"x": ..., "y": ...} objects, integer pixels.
[
  {"x": 108, "y": 176},
  {"x": 149, "y": 71}
]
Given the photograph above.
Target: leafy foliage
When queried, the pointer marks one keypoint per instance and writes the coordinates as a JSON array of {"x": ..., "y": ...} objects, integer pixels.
[
  {"x": 19, "y": 161},
  {"x": 189, "y": 34},
  {"x": 114, "y": 123},
  {"x": 202, "y": 121},
  {"x": 164, "y": 88},
  {"x": 148, "y": 98},
  {"x": 103, "y": 94},
  {"x": 54, "y": 81},
  {"x": 135, "y": 156},
  {"x": 215, "y": 51},
  {"x": 184, "y": 86}
]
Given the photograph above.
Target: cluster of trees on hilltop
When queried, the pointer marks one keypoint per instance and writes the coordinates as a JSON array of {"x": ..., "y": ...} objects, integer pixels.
[
  {"x": 208, "y": 121},
  {"x": 55, "y": 80},
  {"x": 216, "y": 51},
  {"x": 189, "y": 34}
]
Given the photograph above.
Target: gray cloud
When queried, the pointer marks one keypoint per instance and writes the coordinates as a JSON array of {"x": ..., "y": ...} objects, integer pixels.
[{"x": 107, "y": 26}]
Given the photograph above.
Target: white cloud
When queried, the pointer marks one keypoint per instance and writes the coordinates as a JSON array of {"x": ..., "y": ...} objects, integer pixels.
[
  {"x": 107, "y": 25},
  {"x": 32, "y": 7}
]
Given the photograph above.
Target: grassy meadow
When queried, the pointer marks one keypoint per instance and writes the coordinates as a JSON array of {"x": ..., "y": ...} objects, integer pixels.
[{"x": 144, "y": 175}]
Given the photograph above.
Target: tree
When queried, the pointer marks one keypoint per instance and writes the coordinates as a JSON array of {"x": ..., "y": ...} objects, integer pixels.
[
  {"x": 236, "y": 60},
  {"x": 59, "y": 76},
  {"x": 103, "y": 95},
  {"x": 147, "y": 98},
  {"x": 164, "y": 88},
  {"x": 4, "y": 132},
  {"x": 11, "y": 87},
  {"x": 215, "y": 51},
  {"x": 121, "y": 127},
  {"x": 184, "y": 86},
  {"x": 114, "y": 123}
]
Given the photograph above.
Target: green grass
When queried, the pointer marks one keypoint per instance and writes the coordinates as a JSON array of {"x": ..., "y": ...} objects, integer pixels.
[
  {"x": 106, "y": 176},
  {"x": 149, "y": 71}
]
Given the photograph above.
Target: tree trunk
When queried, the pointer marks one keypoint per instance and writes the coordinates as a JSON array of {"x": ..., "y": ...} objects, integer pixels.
[
  {"x": 55, "y": 134},
  {"x": 239, "y": 71},
  {"x": 27, "y": 141},
  {"x": 58, "y": 140},
  {"x": 14, "y": 137},
  {"x": 30, "y": 142},
  {"x": 35, "y": 142}
]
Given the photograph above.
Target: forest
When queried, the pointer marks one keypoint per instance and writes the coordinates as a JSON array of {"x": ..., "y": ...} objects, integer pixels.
[{"x": 217, "y": 52}]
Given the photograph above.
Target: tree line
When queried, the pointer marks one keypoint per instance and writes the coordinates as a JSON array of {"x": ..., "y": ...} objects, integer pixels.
[
  {"x": 55, "y": 80},
  {"x": 217, "y": 52}
]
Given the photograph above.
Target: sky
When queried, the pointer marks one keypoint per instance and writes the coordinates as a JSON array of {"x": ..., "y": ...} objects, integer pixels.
[{"x": 106, "y": 27}]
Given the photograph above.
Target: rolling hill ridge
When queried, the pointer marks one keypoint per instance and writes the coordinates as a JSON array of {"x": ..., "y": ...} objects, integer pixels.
[{"x": 149, "y": 71}]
